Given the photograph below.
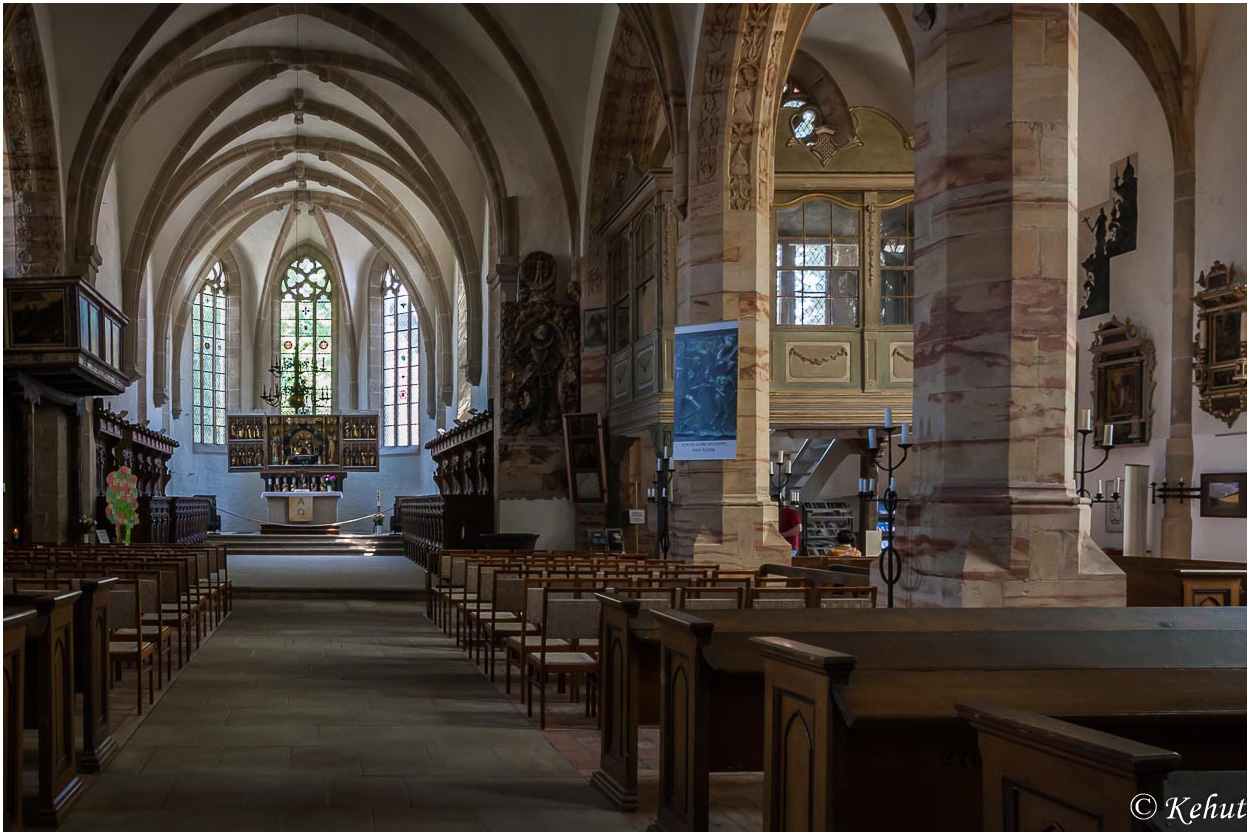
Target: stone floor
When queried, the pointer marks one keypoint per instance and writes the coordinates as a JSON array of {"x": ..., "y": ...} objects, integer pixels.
[
  {"x": 337, "y": 715},
  {"x": 341, "y": 574}
]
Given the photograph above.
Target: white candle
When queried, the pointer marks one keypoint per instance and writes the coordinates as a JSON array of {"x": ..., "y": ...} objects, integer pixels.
[
  {"x": 666, "y": 451},
  {"x": 906, "y": 431},
  {"x": 1119, "y": 485},
  {"x": 888, "y": 423},
  {"x": 872, "y": 485},
  {"x": 790, "y": 466},
  {"x": 891, "y": 484},
  {"x": 772, "y": 468},
  {"x": 1108, "y": 432},
  {"x": 1100, "y": 486},
  {"x": 659, "y": 465},
  {"x": 379, "y": 497},
  {"x": 1087, "y": 420},
  {"x": 861, "y": 486},
  {"x": 872, "y": 438}
]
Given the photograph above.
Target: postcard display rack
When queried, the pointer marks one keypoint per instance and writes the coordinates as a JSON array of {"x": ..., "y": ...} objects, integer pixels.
[{"x": 821, "y": 523}]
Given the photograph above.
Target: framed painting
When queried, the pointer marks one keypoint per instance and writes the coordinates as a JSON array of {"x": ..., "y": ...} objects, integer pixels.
[{"x": 1223, "y": 495}]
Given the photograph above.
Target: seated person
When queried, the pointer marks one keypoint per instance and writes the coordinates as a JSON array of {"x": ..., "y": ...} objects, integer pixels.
[{"x": 846, "y": 546}]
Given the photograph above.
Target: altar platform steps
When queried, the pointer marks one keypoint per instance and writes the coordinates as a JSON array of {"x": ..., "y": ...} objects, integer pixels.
[
  {"x": 294, "y": 545},
  {"x": 348, "y": 567}
]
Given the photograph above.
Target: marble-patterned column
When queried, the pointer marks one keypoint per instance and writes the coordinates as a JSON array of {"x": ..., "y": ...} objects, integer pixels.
[
  {"x": 723, "y": 512},
  {"x": 995, "y": 521}
]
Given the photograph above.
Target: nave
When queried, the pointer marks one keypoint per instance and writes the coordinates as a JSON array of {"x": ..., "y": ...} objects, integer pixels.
[{"x": 337, "y": 715}]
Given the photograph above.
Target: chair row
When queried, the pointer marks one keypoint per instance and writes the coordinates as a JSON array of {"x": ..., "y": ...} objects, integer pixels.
[{"x": 542, "y": 611}]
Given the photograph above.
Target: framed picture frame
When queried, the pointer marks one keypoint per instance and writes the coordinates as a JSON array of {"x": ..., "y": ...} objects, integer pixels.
[
  {"x": 595, "y": 329},
  {"x": 1223, "y": 495},
  {"x": 1220, "y": 346},
  {"x": 1123, "y": 371},
  {"x": 584, "y": 458},
  {"x": 1115, "y": 516}
]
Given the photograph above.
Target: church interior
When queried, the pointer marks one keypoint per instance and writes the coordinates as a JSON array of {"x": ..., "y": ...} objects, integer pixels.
[{"x": 682, "y": 416}]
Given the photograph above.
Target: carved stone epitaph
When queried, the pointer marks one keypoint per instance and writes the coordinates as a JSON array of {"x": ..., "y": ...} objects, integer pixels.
[{"x": 540, "y": 352}]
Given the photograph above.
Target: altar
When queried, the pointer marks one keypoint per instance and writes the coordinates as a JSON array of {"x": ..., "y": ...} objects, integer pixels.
[{"x": 302, "y": 507}]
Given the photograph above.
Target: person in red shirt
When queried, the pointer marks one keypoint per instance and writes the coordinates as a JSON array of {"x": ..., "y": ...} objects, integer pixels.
[{"x": 790, "y": 523}]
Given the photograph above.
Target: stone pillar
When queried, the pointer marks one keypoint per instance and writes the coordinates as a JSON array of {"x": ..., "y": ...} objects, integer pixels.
[
  {"x": 994, "y": 520},
  {"x": 1176, "y": 537},
  {"x": 723, "y": 511}
]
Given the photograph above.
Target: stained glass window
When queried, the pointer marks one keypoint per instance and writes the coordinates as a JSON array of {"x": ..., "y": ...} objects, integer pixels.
[
  {"x": 400, "y": 365},
  {"x": 306, "y": 332},
  {"x": 208, "y": 360}
]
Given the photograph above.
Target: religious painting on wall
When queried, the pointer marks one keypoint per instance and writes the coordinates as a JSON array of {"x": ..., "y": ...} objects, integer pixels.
[
  {"x": 1123, "y": 370},
  {"x": 595, "y": 329},
  {"x": 1107, "y": 230},
  {"x": 36, "y": 317},
  {"x": 705, "y": 396},
  {"x": 1224, "y": 494}
]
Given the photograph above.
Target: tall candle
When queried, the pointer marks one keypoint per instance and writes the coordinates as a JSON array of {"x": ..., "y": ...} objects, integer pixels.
[
  {"x": 790, "y": 466},
  {"x": 888, "y": 423},
  {"x": 906, "y": 432},
  {"x": 891, "y": 484},
  {"x": 872, "y": 485},
  {"x": 379, "y": 497},
  {"x": 659, "y": 465},
  {"x": 666, "y": 451},
  {"x": 872, "y": 438},
  {"x": 862, "y": 488},
  {"x": 1108, "y": 433},
  {"x": 1119, "y": 485},
  {"x": 1087, "y": 420},
  {"x": 1100, "y": 486},
  {"x": 772, "y": 468}
]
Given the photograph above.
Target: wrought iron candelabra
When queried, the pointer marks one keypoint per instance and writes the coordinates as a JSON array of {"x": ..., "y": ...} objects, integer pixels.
[
  {"x": 889, "y": 564},
  {"x": 1161, "y": 491},
  {"x": 780, "y": 473},
  {"x": 659, "y": 495},
  {"x": 1085, "y": 430},
  {"x": 301, "y": 395}
]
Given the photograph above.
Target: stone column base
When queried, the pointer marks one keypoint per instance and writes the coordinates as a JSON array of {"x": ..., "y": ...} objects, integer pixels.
[
  {"x": 1017, "y": 554},
  {"x": 737, "y": 535}
]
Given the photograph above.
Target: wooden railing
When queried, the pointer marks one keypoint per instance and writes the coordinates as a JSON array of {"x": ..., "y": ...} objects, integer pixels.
[{"x": 189, "y": 519}]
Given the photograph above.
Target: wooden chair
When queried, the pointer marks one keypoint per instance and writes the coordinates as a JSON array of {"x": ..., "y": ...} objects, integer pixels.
[
  {"x": 126, "y": 613},
  {"x": 570, "y": 616},
  {"x": 705, "y": 598},
  {"x": 780, "y": 597},
  {"x": 846, "y": 597},
  {"x": 152, "y": 618}
]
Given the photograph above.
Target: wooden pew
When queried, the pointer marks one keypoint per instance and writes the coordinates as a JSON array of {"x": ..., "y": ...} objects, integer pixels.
[
  {"x": 1213, "y": 586},
  {"x": 17, "y": 620},
  {"x": 709, "y": 670},
  {"x": 629, "y": 671},
  {"x": 49, "y": 703},
  {"x": 840, "y": 726},
  {"x": 91, "y": 676},
  {"x": 1043, "y": 774},
  {"x": 1156, "y": 581}
]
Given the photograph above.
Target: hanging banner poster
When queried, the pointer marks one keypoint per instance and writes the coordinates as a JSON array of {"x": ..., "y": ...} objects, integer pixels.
[{"x": 705, "y": 396}]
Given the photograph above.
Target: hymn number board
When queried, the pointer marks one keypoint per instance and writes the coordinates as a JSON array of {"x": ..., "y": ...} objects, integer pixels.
[{"x": 267, "y": 442}]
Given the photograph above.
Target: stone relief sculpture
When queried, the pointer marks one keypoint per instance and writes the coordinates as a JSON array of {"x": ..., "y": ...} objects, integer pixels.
[{"x": 540, "y": 352}]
